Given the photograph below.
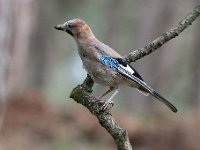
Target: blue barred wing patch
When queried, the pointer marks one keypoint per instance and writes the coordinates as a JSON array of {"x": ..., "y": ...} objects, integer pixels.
[{"x": 110, "y": 62}]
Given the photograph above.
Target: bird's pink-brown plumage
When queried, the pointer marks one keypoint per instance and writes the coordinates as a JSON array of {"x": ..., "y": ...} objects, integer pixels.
[{"x": 104, "y": 64}]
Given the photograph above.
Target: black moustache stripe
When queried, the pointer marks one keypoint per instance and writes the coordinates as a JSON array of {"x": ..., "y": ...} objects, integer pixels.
[{"x": 70, "y": 32}]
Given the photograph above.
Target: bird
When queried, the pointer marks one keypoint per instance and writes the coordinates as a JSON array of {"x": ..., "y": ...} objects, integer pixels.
[{"x": 105, "y": 66}]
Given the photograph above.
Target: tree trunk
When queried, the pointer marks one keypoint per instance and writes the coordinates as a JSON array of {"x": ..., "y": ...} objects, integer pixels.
[
  {"x": 23, "y": 21},
  {"x": 6, "y": 8}
]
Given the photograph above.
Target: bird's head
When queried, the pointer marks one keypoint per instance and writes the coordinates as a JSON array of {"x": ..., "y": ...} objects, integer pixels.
[{"x": 77, "y": 28}]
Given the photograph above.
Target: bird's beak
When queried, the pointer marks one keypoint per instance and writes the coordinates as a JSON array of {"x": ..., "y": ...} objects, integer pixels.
[
  {"x": 61, "y": 27},
  {"x": 64, "y": 27}
]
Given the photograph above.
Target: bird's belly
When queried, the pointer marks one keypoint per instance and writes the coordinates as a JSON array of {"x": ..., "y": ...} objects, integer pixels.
[{"x": 105, "y": 80}]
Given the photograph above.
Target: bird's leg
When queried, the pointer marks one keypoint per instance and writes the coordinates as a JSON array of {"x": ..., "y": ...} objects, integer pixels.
[
  {"x": 109, "y": 101},
  {"x": 110, "y": 90},
  {"x": 99, "y": 98}
]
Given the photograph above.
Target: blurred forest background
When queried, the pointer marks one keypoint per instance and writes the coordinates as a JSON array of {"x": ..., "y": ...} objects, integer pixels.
[{"x": 39, "y": 66}]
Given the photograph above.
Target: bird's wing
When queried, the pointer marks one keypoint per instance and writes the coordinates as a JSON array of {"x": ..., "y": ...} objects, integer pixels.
[
  {"x": 106, "y": 50},
  {"x": 124, "y": 69}
]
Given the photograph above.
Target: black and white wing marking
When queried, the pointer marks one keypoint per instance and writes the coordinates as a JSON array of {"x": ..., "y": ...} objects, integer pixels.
[
  {"x": 119, "y": 64},
  {"x": 123, "y": 68},
  {"x": 126, "y": 70}
]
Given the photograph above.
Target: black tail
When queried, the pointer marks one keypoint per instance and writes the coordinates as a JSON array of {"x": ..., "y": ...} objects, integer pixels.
[
  {"x": 166, "y": 102},
  {"x": 144, "y": 88},
  {"x": 152, "y": 92}
]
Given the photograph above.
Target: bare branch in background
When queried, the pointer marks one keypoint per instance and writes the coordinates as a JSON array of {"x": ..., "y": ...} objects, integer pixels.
[{"x": 157, "y": 43}]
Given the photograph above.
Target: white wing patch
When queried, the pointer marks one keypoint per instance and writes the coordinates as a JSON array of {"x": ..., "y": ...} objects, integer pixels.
[
  {"x": 128, "y": 69},
  {"x": 144, "y": 93},
  {"x": 129, "y": 74}
]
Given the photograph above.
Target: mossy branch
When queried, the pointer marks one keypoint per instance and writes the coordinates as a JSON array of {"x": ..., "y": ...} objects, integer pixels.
[{"x": 82, "y": 93}]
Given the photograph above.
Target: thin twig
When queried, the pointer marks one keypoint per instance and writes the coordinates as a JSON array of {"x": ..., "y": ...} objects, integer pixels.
[
  {"x": 158, "y": 42},
  {"x": 82, "y": 93}
]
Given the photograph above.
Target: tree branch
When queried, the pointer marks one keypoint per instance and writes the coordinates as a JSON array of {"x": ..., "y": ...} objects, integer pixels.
[
  {"x": 158, "y": 42},
  {"x": 82, "y": 93}
]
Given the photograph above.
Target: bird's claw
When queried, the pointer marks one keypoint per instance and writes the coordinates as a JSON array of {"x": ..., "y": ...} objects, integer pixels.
[{"x": 107, "y": 105}]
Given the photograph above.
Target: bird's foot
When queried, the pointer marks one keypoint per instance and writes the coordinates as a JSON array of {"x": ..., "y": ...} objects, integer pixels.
[{"x": 107, "y": 105}]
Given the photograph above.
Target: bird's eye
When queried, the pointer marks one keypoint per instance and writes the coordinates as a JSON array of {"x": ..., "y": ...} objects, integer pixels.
[{"x": 70, "y": 26}]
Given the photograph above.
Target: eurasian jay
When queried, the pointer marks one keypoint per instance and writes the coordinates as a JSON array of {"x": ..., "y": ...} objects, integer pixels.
[{"x": 105, "y": 65}]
